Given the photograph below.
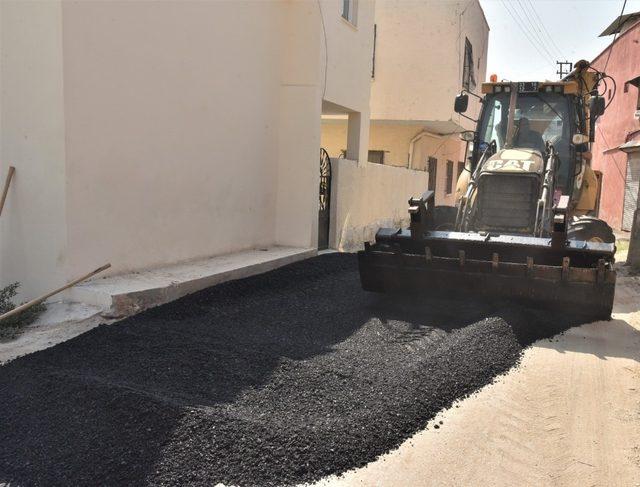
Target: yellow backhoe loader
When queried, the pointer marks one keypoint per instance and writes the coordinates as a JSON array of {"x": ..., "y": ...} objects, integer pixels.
[{"x": 524, "y": 226}]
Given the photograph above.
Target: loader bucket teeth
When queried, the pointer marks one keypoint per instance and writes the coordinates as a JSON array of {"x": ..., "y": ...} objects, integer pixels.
[{"x": 577, "y": 277}]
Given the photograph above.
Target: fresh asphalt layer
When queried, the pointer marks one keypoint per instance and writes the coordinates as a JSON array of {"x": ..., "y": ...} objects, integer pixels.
[{"x": 280, "y": 378}]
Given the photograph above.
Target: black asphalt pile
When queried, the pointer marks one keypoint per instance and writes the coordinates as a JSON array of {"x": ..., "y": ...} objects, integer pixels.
[{"x": 276, "y": 379}]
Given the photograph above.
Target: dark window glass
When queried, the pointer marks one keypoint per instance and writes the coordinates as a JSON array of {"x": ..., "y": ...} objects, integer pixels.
[
  {"x": 449, "y": 187},
  {"x": 468, "y": 78},
  {"x": 376, "y": 156},
  {"x": 432, "y": 168},
  {"x": 539, "y": 118}
]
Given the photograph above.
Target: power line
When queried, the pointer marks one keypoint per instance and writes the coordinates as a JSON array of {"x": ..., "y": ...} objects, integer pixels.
[
  {"x": 615, "y": 36},
  {"x": 541, "y": 23},
  {"x": 534, "y": 30},
  {"x": 525, "y": 32},
  {"x": 326, "y": 52}
]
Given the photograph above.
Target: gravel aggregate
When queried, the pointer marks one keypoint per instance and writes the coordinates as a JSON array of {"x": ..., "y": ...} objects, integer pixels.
[{"x": 277, "y": 379}]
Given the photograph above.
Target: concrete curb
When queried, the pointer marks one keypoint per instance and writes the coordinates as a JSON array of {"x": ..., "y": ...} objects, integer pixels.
[{"x": 128, "y": 294}]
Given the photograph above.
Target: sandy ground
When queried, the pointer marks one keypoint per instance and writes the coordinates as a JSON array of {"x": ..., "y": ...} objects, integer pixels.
[{"x": 569, "y": 415}]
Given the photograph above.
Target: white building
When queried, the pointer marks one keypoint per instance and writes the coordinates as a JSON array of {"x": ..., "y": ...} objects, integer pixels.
[
  {"x": 148, "y": 134},
  {"x": 152, "y": 133},
  {"x": 425, "y": 53}
]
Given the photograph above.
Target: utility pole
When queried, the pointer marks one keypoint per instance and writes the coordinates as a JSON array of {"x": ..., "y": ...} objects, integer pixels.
[{"x": 561, "y": 72}]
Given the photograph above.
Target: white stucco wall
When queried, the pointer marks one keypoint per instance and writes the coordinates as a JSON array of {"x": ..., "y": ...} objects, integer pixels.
[
  {"x": 33, "y": 233},
  {"x": 395, "y": 140},
  {"x": 419, "y": 57},
  {"x": 349, "y": 54},
  {"x": 172, "y": 137},
  {"x": 149, "y": 133},
  {"x": 348, "y": 61},
  {"x": 367, "y": 197},
  {"x": 299, "y": 130}
]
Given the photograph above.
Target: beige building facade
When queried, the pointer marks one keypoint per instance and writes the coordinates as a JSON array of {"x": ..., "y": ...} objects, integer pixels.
[{"x": 426, "y": 52}]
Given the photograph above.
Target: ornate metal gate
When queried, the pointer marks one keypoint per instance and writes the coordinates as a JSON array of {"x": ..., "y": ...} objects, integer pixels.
[{"x": 324, "y": 205}]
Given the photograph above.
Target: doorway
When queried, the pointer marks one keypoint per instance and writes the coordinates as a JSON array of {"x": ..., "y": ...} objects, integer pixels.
[{"x": 324, "y": 200}]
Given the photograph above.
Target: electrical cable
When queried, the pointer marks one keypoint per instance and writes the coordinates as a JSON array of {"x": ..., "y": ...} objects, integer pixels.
[
  {"x": 615, "y": 36},
  {"x": 525, "y": 32},
  {"x": 603, "y": 77},
  {"x": 535, "y": 12},
  {"x": 532, "y": 31}
]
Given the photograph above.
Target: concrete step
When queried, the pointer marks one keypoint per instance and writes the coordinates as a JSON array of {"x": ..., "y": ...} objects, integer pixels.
[{"x": 128, "y": 294}]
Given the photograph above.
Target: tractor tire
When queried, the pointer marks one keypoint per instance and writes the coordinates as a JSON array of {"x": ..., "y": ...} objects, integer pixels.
[
  {"x": 445, "y": 218},
  {"x": 590, "y": 229}
]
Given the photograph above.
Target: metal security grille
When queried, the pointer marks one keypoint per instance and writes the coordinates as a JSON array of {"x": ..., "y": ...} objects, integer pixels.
[
  {"x": 631, "y": 189},
  {"x": 507, "y": 203},
  {"x": 324, "y": 200}
]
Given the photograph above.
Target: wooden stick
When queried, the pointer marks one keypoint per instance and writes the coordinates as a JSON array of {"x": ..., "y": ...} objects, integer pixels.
[
  {"x": 7, "y": 182},
  {"x": 33, "y": 302}
]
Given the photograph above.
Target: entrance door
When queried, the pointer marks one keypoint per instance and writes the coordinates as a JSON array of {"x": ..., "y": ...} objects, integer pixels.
[
  {"x": 631, "y": 187},
  {"x": 324, "y": 203}
]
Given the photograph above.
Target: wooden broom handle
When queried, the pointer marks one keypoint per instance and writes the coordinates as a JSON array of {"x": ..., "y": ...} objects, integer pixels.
[
  {"x": 7, "y": 182},
  {"x": 33, "y": 302}
]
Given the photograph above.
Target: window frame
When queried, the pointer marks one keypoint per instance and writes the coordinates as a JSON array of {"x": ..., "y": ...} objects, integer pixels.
[
  {"x": 350, "y": 11},
  {"x": 468, "y": 75},
  {"x": 375, "y": 152},
  {"x": 432, "y": 162},
  {"x": 449, "y": 185}
]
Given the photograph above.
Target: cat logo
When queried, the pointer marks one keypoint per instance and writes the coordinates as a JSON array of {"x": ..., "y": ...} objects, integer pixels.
[{"x": 509, "y": 165}]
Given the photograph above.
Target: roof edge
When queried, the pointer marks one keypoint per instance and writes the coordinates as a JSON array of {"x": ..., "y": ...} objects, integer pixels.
[
  {"x": 612, "y": 43},
  {"x": 618, "y": 23}
]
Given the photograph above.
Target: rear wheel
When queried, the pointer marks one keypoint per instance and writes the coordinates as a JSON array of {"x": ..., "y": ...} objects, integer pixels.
[
  {"x": 590, "y": 229},
  {"x": 445, "y": 218}
]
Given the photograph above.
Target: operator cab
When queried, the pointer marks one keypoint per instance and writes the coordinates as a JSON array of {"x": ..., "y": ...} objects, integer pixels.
[{"x": 540, "y": 117}]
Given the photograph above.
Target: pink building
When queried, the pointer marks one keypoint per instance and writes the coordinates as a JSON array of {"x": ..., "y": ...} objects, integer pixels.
[{"x": 616, "y": 151}]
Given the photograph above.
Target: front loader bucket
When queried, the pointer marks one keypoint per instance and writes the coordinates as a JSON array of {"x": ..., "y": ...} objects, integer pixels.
[{"x": 577, "y": 277}]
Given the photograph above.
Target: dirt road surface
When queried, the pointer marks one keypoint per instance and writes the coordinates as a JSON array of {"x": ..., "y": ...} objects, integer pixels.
[{"x": 568, "y": 415}]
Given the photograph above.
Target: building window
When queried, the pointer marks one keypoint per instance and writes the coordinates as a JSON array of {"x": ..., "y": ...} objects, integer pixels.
[
  {"x": 460, "y": 169},
  {"x": 350, "y": 10},
  {"x": 432, "y": 168},
  {"x": 376, "y": 156},
  {"x": 468, "y": 78},
  {"x": 449, "y": 187}
]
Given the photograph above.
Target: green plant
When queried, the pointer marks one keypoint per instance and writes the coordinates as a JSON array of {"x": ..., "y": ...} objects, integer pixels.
[{"x": 11, "y": 327}]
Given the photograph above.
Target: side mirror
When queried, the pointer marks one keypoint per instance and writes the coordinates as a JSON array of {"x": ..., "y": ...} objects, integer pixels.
[
  {"x": 596, "y": 106},
  {"x": 468, "y": 135},
  {"x": 579, "y": 139},
  {"x": 462, "y": 103}
]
